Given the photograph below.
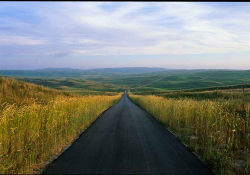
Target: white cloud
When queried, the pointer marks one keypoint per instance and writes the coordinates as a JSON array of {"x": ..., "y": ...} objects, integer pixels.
[
  {"x": 20, "y": 40},
  {"x": 80, "y": 41},
  {"x": 131, "y": 28}
]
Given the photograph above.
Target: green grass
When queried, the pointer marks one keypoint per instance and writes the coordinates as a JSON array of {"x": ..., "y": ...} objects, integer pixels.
[
  {"x": 198, "y": 80},
  {"x": 78, "y": 85},
  {"x": 134, "y": 80}
]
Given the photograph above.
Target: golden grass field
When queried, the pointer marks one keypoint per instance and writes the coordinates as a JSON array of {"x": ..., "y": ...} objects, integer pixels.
[
  {"x": 219, "y": 134},
  {"x": 38, "y": 122}
]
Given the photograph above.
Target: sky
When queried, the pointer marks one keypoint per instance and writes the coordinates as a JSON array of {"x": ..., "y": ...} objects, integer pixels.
[{"x": 86, "y": 35}]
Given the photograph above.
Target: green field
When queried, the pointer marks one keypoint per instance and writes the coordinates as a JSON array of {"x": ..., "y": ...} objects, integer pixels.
[
  {"x": 139, "y": 80},
  {"x": 195, "y": 80},
  {"x": 77, "y": 85}
]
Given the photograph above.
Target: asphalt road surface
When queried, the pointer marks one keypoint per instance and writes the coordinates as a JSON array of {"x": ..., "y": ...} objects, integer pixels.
[{"x": 127, "y": 140}]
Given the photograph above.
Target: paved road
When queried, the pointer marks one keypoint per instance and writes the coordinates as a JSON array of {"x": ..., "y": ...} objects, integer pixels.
[{"x": 127, "y": 140}]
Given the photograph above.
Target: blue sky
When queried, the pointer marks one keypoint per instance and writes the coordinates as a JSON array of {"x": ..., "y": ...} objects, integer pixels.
[{"x": 87, "y": 35}]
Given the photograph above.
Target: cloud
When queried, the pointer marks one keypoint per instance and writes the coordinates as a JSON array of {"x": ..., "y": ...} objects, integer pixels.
[
  {"x": 123, "y": 28},
  {"x": 20, "y": 40},
  {"x": 80, "y": 41}
]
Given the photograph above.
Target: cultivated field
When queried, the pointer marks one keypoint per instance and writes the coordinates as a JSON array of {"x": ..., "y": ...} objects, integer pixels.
[{"x": 38, "y": 122}]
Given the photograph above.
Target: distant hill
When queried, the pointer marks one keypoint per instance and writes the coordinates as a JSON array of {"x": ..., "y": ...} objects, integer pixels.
[
  {"x": 143, "y": 79},
  {"x": 73, "y": 84},
  {"x": 42, "y": 73},
  {"x": 129, "y": 70},
  {"x": 49, "y": 69},
  {"x": 68, "y": 72}
]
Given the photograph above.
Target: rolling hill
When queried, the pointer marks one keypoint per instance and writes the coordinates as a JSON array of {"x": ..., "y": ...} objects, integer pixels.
[
  {"x": 68, "y": 72},
  {"x": 139, "y": 79}
]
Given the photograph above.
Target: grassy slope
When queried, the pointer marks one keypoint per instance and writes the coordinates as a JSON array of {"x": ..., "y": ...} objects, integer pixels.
[
  {"x": 132, "y": 80},
  {"x": 77, "y": 85},
  {"x": 194, "y": 80},
  {"x": 176, "y": 79},
  {"x": 38, "y": 122},
  {"x": 22, "y": 93}
]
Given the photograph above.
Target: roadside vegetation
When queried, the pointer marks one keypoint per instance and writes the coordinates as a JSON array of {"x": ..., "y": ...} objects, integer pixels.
[
  {"x": 215, "y": 125},
  {"x": 36, "y": 123}
]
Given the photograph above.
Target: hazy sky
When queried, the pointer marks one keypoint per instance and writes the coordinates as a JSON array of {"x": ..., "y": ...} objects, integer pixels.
[{"x": 87, "y": 35}]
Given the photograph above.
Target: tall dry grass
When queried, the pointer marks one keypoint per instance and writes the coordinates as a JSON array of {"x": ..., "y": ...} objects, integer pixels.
[
  {"x": 220, "y": 135},
  {"x": 21, "y": 93},
  {"x": 32, "y": 131}
]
